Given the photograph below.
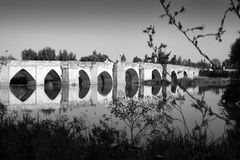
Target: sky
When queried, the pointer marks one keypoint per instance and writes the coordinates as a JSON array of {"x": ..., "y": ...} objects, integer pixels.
[{"x": 112, "y": 27}]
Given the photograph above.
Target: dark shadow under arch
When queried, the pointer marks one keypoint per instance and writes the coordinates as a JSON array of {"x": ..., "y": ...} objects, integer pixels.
[
  {"x": 131, "y": 89},
  {"x": 131, "y": 76},
  {"x": 156, "y": 75},
  {"x": 173, "y": 87},
  {"x": 52, "y": 84},
  {"x": 173, "y": 76},
  {"x": 104, "y": 83},
  {"x": 52, "y": 77},
  {"x": 83, "y": 78},
  {"x": 84, "y": 84},
  {"x": 22, "y": 77},
  {"x": 185, "y": 74}
]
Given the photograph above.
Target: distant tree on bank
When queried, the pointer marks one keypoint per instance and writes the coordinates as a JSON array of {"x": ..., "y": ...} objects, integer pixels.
[
  {"x": 235, "y": 53},
  {"x": 95, "y": 57},
  {"x": 173, "y": 60},
  {"x": 217, "y": 64},
  {"x": 146, "y": 58},
  {"x": 29, "y": 55},
  {"x": 65, "y": 56},
  {"x": 179, "y": 60},
  {"x": 9, "y": 57},
  {"x": 47, "y": 54},
  {"x": 123, "y": 58},
  {"x": 137, "y": 59}
]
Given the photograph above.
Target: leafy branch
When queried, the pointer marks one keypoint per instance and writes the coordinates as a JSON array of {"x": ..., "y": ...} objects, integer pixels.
[
  {"x": 185, "y": 31},
  {"x": 234, "y": 7},
  {"x": 199, "y": 104}
]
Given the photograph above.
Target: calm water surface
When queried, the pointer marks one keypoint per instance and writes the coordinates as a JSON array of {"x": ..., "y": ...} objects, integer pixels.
[{"x": 93, "y": 103}]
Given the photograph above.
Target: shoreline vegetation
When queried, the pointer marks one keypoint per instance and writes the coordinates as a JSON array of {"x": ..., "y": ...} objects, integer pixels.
[{"x": 31, "y": 138}]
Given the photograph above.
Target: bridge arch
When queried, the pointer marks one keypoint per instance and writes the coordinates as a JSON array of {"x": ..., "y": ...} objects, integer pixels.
[
  {"x": 22, "y": 77},
  {"x": 174, "y": 76},
  {"x": 52, "y": 76},
  {"x": 52, "y": 85},
  {"x": 83, "y": 78},
  {"x": 156, "y": 89},
  {"x": 104, "y": 83},
  {"x": 156, "y": 76},
  {"x": 131, "y": 76},
  {"x": 185, "y": 75},
  {"x": 84, "y": 84}
]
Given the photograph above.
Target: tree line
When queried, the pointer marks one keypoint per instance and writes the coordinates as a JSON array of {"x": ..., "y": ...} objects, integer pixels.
[
  {"x": 48, "y": 53},
  {"x": 178, "y": 61}
]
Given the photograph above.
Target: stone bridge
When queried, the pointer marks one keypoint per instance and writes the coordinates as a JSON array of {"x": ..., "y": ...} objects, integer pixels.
[{"x": 86, "y": 73}]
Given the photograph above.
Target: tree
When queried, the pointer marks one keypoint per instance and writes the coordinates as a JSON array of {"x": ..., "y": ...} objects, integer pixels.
[
  {"x": 235, "y": 53},
  {"x": 173, "y": 60},
  {"x": 202, "y": 64},
  {"x": 146, "y": 58},
  {"x": 65, "y": 56},
  {"x": 9, "y": 57},
  {"x": 179, "y": 60},
  {"x": 217, "y": 63},
  {"x": 137, "y": 59},
  {"x": 95, "y": 57},
  {"x": 123, "y": 58},
  {"x": 158, "y": 51},
  {"x": 29, "y": 55},
  {"x": 47, "y": 54},
  {"x": 153, "y": 58}
]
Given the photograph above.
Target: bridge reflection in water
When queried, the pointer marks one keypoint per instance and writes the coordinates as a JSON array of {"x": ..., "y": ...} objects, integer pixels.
[
  {"x": 53, "y": 95},
  {"x": 91, "y": 101}
]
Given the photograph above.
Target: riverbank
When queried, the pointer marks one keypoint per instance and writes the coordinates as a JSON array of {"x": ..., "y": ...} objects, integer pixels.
[{"x": 63, "y": 139}]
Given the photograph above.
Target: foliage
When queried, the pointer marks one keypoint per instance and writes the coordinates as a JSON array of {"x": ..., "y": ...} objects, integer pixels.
[
  {"x": 137, "y": 59},
  {"x": 95, "y": 57},
  {"x": 73, "y": 139},
  {"x": 234, "y": 7},
  {"x": 235, "y": 53},
  {"x": 47, "y": 54},
  {"x": 172, "y": 20},
  {"x": 217, "y": 64},
  {"x": 141, "y": 115},
  {"x": 173, "y": 60},
  {"x": 29, "y": 55},
  {"x": 9, "y": 57},
  {"x": 123, "y": 58},
  {"x": 158, "y": 51},
  {"x": 65, "y": 56}
]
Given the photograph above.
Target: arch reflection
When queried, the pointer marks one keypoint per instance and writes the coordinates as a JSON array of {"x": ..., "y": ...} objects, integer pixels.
[
  {"x": 52, "y": 90},
  {"x": 131, "y": 89},
  {"x": 174, "y": 76},
  {"x": 22, "y": 92},
  {"x": 156, "y": 89}
]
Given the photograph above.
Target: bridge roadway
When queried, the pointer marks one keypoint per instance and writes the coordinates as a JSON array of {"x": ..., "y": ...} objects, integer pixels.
[{"x": 76, "y": 72}]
